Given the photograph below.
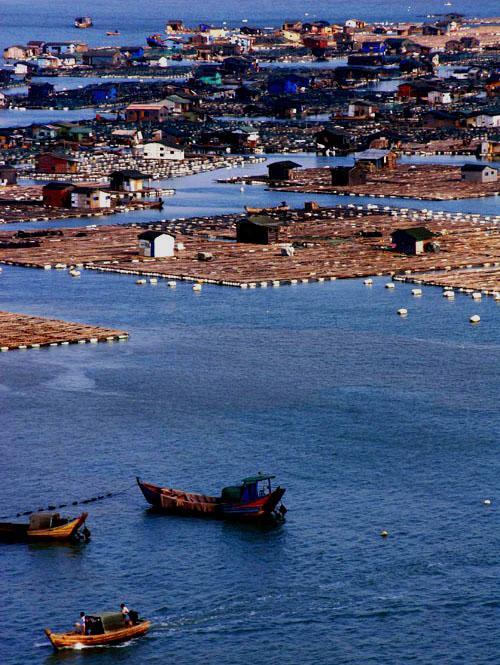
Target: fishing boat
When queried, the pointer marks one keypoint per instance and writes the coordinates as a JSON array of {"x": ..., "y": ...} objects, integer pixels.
[
  {"x": 156, "y": 41},
  {"x": 252, "y": 500},
  {"x": 100, "y": 630},
  {"x": 112, "y": 33},
  {"x": 283, "y": 207},
  {"x": 45, "y": 526},
  {"x": 83, "y": 22}
]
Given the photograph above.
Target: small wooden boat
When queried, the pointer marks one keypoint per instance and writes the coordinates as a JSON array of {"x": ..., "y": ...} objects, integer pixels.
[
  {"x": 283, "y": 207},
  {"x": 112, "y": 33},
  {"x": 100, "y": 630},
  {"x": 83, "y": 22},
  {"x": 253, "y": 500},
  {"x": 44, "y": 526}
]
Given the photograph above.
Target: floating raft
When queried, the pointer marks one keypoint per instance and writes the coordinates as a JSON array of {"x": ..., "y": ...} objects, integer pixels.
[{"x": 20, "y": 331}]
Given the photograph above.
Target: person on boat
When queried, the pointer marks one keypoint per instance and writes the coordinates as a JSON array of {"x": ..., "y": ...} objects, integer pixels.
[
  {"x": 80, "y": 624},
  {"x": 126, "y": 614}
]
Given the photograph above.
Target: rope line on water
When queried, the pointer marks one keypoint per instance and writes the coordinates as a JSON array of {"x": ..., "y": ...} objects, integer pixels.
[{"x": 99, "y": 497}]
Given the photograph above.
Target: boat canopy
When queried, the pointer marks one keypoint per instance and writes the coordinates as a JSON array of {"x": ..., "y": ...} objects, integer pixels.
[
  {"x": 44, "y": 520},
  {"x": 97, "y": 624},
  {"x": 255, "y": 479}
]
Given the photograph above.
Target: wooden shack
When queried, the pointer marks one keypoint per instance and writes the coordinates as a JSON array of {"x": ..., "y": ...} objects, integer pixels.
[
  {"x": 348, "y": 175},
  {"x": 413, "y": 240},
  {"x": 279, "y": 171},
  {"x": 57, "y": 194},
  {"x": 258, "y": 229},
  {"x": 51, "y": 162},
  {"x": 376, "y": 160}
]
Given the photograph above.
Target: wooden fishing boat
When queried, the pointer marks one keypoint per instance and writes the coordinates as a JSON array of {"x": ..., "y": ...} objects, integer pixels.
[
  {"x": 253, "y": 500},
  {"x": 262, "y": 211},
  {"x": 112, "y": 33},
  {"x": 100, "y": 630},
  {"x": 44, "y": 526},
  {"x": 83, "y": 22}
]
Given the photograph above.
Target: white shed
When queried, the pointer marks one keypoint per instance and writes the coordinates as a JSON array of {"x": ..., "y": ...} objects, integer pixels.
[
  {"x": 156, "y": 150},
  {"x": 156, "y": 243}
]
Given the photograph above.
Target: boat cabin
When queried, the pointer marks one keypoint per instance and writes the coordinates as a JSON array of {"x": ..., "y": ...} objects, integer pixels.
[
  {"x": 45, "y": 520},
  {"x": 251, "y": 489},
  {"x": 107, "y": 622}
]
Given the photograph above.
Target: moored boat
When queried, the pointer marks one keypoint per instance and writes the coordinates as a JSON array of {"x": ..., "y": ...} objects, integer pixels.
[
  {"x": 100, "y": 630},
  {"x": 283, "y": 207},
  {"x": 155, "y": 41},
  {"x": 83, "y": 22},
  {"x": 253, "y": 500},
  {"x": 45, "y": 526}
]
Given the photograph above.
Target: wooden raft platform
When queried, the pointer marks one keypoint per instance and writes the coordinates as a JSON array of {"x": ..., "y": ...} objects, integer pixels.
[
  {"x": 20, "y": 331},
  {"x": 329, "y": 244},
  {"x": 421, "y": 182}
]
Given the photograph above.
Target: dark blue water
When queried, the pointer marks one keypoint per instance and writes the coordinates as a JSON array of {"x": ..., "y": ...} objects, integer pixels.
[{"x": 371, "y": 422}]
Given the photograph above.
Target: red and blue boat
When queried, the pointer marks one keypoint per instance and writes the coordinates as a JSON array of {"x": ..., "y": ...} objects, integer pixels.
[
  {"x": 253, "y": 500},
  {"x": 155, "y": 41}
]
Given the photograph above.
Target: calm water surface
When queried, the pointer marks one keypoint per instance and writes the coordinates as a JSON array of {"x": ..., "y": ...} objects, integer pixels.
[{"x": 371, "y": 422}]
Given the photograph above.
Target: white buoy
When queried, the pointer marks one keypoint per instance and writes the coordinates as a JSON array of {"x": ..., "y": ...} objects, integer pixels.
[
  {"x": 475, "y": 318},
  {"x": 196, "y": 287},
  {"x": 487, "y": 502},
  {"x": 390, "y": 285},
  {"x": 416, "y": 292},
  {"x": 402, "y": 311},
  {"x": 171, "y": 284}
]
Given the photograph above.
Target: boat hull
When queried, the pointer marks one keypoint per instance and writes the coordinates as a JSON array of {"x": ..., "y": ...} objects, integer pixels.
[
  {"x": 74, "y": 640},
  {"x": 177, "y": 502}
]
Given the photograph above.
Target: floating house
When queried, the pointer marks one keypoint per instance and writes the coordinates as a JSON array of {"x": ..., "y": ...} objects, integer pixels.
[
  {"x": 156, "y": 244},
  {"x": 479, "y": 173},
  {"x": 157, "y": 150},
  {"x": 258, "y": 229},
  {"x": 414, "y": 240},
  {"x": 279, "y": 171},
  {"x": 128, "y": 180},
  {"x": 53, "y": 162}
]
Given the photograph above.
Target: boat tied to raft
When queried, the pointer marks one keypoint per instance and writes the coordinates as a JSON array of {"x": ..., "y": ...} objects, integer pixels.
[
  {"x": 46, "y": 526},
  {"x": 101, "y": 630},
  {"x": 253, "y": 500}
]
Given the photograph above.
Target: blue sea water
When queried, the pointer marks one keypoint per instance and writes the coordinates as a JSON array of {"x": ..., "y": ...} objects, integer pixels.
[{"x": 21, "y": 20}]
